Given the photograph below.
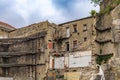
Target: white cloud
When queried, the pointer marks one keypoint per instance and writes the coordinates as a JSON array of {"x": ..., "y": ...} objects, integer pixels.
[
  {"x": 44, "y": 9},
  {"x": 32, "y": 11},
  {"x": 21, "y": 7},
  {"x": 82, "y": 8}
]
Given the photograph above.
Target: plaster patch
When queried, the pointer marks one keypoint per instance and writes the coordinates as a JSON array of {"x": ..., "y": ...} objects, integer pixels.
[{"x": 116, "y": 22}]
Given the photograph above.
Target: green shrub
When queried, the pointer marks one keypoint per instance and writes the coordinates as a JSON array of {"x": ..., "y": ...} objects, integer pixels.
[
  {"x": 92, "y": 12},
  {"x": 101, "y": 58},
  {"x": 117, "y": 2}
]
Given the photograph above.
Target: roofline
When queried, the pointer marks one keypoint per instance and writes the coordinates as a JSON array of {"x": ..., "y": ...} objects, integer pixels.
[
  {"x": 75, "y": 20},
  {"x": 32, "y": 24},
  {"x": 3, "y": 23}
]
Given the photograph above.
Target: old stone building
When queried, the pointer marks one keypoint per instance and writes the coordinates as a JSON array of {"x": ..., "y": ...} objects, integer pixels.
[
  {"x": 72, "y": 56},
  {"x": 69, "y": 51},
  {"x": 27, "y": 53},
  {"x": 24, "y": 54}
]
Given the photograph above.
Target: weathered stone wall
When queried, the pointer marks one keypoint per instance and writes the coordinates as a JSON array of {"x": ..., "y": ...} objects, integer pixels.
[
  {"x": 106, "y": 20},
  {"x": 31, "y": 29},
  {"x": 3, "y": 33},
  {"x": 5, "y": 29},
  {"x": 60, "y": 46},
  {"x": 22, "y": 67},
  {"x": 79, "y": 35},
  {"x": 116, "y": 29},
  {"x": 23, "y": 46}
]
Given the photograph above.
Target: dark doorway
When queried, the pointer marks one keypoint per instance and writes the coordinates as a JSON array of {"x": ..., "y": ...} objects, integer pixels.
[{"x": 67, "y": 46}]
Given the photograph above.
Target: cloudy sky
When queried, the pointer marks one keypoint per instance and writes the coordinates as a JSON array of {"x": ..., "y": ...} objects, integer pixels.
[{"x": 20, "y": 13}]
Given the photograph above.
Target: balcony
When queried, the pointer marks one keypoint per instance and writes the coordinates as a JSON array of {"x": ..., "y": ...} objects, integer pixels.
[{"x": 61, "y": 36}]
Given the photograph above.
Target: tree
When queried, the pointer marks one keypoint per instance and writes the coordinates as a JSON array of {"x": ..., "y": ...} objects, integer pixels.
[
  {"x": 93, "y": 12},
  {"x": 96, "y": 2}
]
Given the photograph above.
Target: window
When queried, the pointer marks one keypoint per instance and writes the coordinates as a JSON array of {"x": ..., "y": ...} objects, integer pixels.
[
  {"x": 85, "y": 39},
  {"x": 53, "y": 63},
  {"x": 75, "y": 27},
  {"x": 67, "y": 32},
  {"x": 50, "y": 44},
  {"x": 53, "y": 45},
  {"x": 75, "y": 44},
  {"x": 85, "y": 27},
  {"x": 67, "y": 46}
]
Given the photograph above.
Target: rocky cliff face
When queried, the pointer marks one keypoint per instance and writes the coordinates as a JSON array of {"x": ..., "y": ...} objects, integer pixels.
[
  {"x": 109, "y": 19},
  {"x": 115, "y": 61}
]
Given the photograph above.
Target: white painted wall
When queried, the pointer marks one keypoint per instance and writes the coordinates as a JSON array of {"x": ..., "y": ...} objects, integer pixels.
[
  {"x": 59, "y": 63},
  {"x": 73, "y": 60},
  {"x": 6, "y": 78},
  {"x": 80, "y": 59}
]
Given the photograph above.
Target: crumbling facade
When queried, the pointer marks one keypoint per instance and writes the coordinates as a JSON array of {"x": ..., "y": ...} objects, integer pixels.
[
  {"x": 72, "y": 57},
  {"x": 5, "y": 29},
  {"x": 68, "y": 51},
  {"x": 37, "y": 51},
  {"x": 25, "y": 54}
]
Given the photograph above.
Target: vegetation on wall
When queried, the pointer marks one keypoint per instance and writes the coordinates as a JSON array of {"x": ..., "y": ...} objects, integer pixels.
[
  {"x": 100, "y": 51},
  {"x": 108, "y": 7},
  {"x": 103, "y": 58},
  {"x": 117, "y": 2},
  {"x": 92, "y": 12},
  {"x": 106, "y": 10}
]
